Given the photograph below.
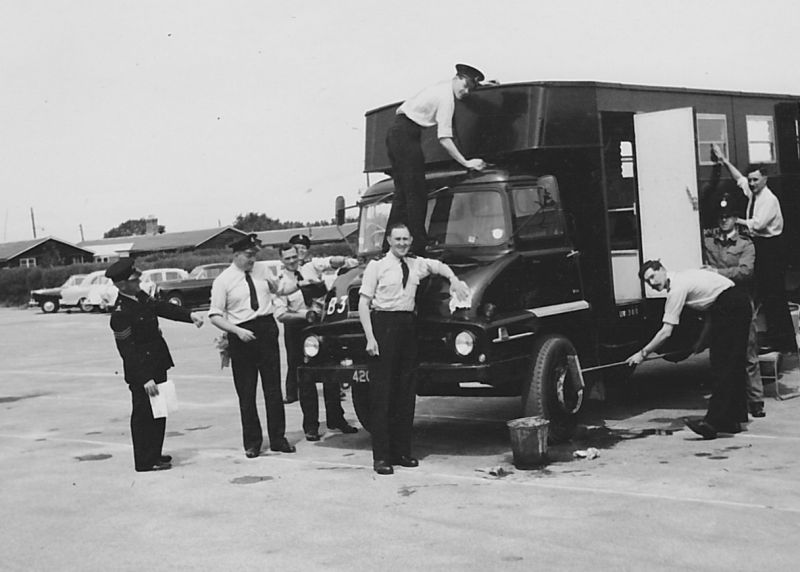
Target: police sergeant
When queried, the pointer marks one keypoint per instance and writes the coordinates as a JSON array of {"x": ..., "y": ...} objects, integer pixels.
[
  {"x": 242, "y": 305},
  {"x": 145, "y": 359},
  {"x": 388, "y": 290}
]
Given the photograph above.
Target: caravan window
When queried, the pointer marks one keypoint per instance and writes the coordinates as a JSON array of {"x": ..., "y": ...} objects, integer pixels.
[
  {"x": 760, "y": 139},
  {"x": 711, "y": 128}
]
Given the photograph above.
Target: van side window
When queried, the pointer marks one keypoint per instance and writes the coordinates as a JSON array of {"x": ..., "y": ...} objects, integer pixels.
[
  {"x": 537, "y": 211},
  {"x": 711, "y": 128},
  {"x": 760, "y": 139}
]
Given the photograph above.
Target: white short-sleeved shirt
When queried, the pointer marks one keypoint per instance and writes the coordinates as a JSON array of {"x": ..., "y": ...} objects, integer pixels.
[
  {"x": 383, "y": 281},
  {"x": 767, "y": 218},
  {"x": 230, "y": 295},
  {"x": 293, "y": 302},
  {"x": 434, "y": 105},
  {"x": 313, "y": 269},
  {"x": 697, "y": 289}
]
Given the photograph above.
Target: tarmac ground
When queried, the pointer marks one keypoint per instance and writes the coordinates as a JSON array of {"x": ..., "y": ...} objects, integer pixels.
[{"x": 657, "y": 497}]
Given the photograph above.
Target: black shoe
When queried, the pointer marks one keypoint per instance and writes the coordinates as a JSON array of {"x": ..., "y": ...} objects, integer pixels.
[
  {"x": 252, "y": 453},
  {"x": 405, "y": 461},
  {"x": 156, "y": 467},
  {"x": 344, "y": 427},
  {"x": 312, "y": 436},
  {"x": 757, "y": 409},
  {"x": 382, "y": 468},
  {"x": 282, "y": 447},
  {"x": 733, "y": 428},
  {"x": 165, "y": 459},
  {"x": 701, "y": 428}
]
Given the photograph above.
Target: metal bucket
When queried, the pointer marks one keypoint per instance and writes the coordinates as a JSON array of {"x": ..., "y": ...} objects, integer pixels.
[{"x": 529, "y": 441}]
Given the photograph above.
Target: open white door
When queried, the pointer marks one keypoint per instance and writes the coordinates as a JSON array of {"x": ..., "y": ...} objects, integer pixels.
[{"x": 666, "y": 167}]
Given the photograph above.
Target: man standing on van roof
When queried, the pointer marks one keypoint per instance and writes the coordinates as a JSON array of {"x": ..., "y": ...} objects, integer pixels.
[
  {"x": 434, "y": 105},
  {"x": 765, "y": 223}
]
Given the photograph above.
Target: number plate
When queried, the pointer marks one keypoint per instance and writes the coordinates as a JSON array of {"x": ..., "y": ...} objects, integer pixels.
[{"x": 360, "y": 376}]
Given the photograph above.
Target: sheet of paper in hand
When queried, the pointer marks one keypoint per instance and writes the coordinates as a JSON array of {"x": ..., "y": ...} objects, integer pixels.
[{"x": 166, "y": 401}]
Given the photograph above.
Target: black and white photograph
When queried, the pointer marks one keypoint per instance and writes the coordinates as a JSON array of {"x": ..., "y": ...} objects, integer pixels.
[{"x": 347, "y": 286}]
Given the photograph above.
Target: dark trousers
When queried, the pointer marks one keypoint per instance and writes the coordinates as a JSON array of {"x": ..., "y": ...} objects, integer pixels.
[
  {"x": 410, "y": 201},
  {"x": 147, "y": 433},
  {"x": 770, "y": 282},
  {"x": 392, "y": 381},
  {"x": 293, "y": 342},
  {"x": 730, "y": 324},
  {"x": 248, "y": 361},
  {"x": 309, "y": 398}
]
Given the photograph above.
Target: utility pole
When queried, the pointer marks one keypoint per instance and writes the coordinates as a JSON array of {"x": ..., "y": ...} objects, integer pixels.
[
  {"x": 33, "y": 223},
  {"x": 80, "y": 226}
]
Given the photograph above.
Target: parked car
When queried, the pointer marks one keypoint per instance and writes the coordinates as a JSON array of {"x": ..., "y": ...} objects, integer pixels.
[
  {"x": 78, "y": 295},
  {"x": 194, "y": 291},
  {"x": 49, "y": 299},
  {"x": 103, "y": 296}
]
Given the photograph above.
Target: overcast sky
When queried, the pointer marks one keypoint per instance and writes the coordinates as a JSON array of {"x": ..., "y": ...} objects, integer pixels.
[{"x": 197, "y": 110}]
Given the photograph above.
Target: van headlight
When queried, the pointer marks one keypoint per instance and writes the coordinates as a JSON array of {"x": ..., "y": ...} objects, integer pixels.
[
  {"x": 311, "y": 346},
  {"x": 465, "y": 343}
]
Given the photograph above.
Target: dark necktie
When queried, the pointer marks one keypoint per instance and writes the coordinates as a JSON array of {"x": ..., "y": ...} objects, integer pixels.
[
  {"x": 404, "y": 268},
  {"x": 752, "y": 206},
  {"x": 298, "y": 276},
  {"x": 252, "y": 287}
]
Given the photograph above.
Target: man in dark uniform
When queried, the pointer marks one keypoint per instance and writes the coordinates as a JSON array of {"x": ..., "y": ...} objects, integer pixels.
[
  {"x": 145, "y": 359},
  {"x": 733, "y": 255},
  {"x": 728, "y": 307},
  {"x": 242, "y": 305},
  {"x": 434, "y": 105},
  {"x": 293, "y": 311},
  {"x": 388, "y": 289}
]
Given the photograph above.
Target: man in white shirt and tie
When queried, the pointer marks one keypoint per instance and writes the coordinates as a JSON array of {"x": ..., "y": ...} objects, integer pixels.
[
  {"x": 242, "y": 305},
  {"x": 386, "y": 312},
  {"x": 765, "y": 225}
]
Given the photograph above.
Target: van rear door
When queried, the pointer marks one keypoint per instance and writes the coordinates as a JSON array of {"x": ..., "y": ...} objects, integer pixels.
[{"x": 666, "y": 164}]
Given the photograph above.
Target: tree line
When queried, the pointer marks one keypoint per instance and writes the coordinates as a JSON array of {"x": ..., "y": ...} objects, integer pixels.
[{"x": 247, "y": 222}]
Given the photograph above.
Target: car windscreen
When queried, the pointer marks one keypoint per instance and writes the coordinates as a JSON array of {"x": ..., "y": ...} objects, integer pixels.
[
  {"x": 454, "y": 218},
  {"x": 467, "y": 218}
]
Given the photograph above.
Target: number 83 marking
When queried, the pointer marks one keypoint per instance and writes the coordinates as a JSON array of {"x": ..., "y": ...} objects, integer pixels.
[{"x": 337, "y": 305}]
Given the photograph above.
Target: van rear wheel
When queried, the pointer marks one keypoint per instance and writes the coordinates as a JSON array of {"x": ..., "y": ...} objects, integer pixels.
[
  {"x": 550, "y": 390},
  {"x": 360, "y": 394}
]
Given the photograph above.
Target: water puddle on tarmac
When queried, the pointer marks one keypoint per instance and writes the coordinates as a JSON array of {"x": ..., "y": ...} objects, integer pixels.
[
  {"x": 250, "y": 479},
  {"x": 97, "y": 457}
]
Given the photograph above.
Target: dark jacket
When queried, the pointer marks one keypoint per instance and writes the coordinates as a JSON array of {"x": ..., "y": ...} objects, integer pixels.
[{"x": 144, "y": 352}]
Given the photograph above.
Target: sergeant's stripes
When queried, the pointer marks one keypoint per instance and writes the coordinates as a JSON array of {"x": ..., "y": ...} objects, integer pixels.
[{"x": 124, "y": 334}]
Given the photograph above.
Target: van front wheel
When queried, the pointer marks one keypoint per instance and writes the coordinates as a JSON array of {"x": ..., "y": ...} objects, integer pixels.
[{"x": 550, "y": 390}]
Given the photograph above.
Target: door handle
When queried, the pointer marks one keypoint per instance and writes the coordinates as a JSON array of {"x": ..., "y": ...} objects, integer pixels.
[{"x": 692, "y": 198}]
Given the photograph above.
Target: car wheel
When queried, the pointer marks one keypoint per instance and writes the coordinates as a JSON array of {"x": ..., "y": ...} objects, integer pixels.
[
  {"x": 175, "y": 298},
  {"x": 550, "y": 390},
  {"x": 49, "y": 306},
  {"x": 85, "y": 306}
]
